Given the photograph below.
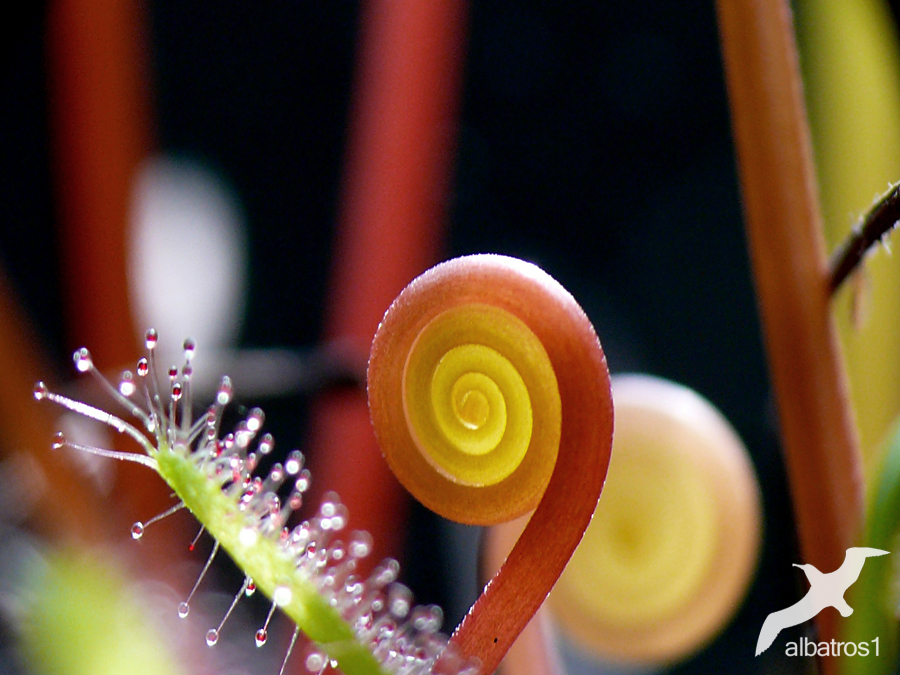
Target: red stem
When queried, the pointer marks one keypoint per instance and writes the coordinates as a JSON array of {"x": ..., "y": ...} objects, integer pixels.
[
  {"x": 391, "y": 222},
  {"x": 100, "y": 115},
  {"x": 534, "y": 651}
]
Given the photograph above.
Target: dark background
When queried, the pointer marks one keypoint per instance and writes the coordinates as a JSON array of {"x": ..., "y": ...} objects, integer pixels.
[{"x": 594, "y": 140}]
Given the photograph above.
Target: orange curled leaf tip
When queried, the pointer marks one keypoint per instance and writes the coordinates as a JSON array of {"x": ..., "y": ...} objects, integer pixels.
[{"x": 490, "y": 396}]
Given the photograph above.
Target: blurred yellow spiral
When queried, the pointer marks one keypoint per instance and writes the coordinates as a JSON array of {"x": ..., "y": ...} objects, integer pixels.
[{"x": 673, "y": 543}]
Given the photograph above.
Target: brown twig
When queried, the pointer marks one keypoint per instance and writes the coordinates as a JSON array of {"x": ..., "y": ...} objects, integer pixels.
[
  {"x": 872, "y": 229},
  {"x": 788, "y": 258}
]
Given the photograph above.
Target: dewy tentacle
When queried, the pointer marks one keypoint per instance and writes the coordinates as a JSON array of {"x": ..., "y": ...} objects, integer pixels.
[
  {"x": 106, "y": 418},
  {"x": 366, "y": 624}
]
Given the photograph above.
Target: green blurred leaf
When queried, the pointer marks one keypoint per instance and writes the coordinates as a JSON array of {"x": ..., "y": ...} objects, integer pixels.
[{"x": 81, "y": 618}]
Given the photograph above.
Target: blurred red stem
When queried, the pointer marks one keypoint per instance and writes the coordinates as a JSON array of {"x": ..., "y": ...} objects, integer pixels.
[
  {"x": 101, "y": 131},
  {"x": 391, "y": 221}
]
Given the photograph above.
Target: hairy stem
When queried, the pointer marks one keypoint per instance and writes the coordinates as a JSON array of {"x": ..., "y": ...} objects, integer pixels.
[{"x": 875, "y": 225}]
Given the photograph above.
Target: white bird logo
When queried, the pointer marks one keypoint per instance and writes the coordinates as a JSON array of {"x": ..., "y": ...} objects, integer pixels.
[{"x": 825, "y": 590}]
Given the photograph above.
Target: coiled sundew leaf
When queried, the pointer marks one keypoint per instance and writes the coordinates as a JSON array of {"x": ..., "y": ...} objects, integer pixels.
[
  {"x": 473, "y": 345},
  {"x": 367, "y": 626},
  {"x": 673, "y": 546}
]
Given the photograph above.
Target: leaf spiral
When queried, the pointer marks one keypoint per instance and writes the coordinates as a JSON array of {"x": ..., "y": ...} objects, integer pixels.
[
  {"x": 496, "y": 304},
  {"x": 463, "y": 394}
]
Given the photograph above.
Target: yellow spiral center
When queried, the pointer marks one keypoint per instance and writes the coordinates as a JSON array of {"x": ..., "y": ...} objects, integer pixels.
[
  {"x": 467, "y": 404},
  {"x": 472, "y": 406}
]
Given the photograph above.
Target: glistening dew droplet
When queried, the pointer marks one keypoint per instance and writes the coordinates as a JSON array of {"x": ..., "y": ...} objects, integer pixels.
[
  {"x": 212, "y": 637},
  {"x": 126, "y": 384},
  {"x": 151, "y": 338},
  {"x": 316, "y": 662},
  {"x": 360, "y": 544},
  {"x": 255, "y": 419},
  {"x": 226, "y": 391},
  {"x": 295, "y": 501},
  {"x": 137, "y": 530},
  {"x": 282, "y": 596},
  {"x": 276, "y": 473},
  {"x": 261, "y": 636},
  {"x": 183, "y": 610},
  {"x": 248, "y": 536},
  {"x": 82, "y": 359},
  {"x": 294, "y": 463},
  {"x": 399, "y": 600},
  {"x": 40, "y": 391},
  {"x": 303, "y": 481},
  {"x": 266, "y": 444}
]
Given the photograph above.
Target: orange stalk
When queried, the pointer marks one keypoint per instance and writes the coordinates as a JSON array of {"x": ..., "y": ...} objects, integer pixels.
[
  {"x": 534, "y": 651},
  {"x": 791, "y": 272}
]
